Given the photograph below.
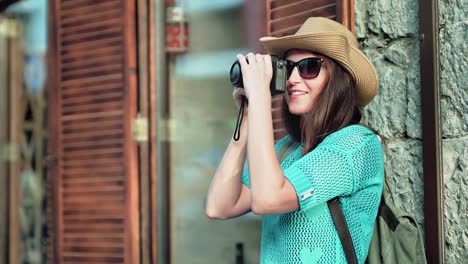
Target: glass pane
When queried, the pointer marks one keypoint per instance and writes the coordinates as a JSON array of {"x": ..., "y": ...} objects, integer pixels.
[{"x": 203, "y": 118}]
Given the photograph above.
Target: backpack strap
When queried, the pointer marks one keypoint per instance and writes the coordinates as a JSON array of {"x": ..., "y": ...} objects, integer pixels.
[{"x": 343, "y": 231}]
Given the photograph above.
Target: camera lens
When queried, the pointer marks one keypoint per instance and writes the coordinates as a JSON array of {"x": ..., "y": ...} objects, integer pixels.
[{"x": 236, "y": 75}]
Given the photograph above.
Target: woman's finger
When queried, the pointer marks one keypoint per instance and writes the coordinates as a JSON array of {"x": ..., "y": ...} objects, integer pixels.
[
  {"x": 242, "y": 61},
  {"x": 251, "y": 58},
  {"x": 260, "y": 61},
  {"x": 268, "y": 64},
  {"x": 259, "y": 58}
]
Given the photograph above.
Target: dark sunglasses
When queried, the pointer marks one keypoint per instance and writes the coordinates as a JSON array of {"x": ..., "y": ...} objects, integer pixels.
[{"x": 309, "y": 68}]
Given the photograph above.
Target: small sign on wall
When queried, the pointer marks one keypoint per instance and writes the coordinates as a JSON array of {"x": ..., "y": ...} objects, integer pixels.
[{"x": 177, "y": 31}]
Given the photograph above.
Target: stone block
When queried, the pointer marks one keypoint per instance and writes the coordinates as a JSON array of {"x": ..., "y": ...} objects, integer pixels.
[
  {"x": 403, "y": 164},
  {"x": 387, "y": 112},
  {"x": 360, "y": 18},
  {"x": 411, "y": 63},
  {"x": 455, "y": 167},
  {"x": 395, "y": 112},
  {"x": 454, "y": 80},
  {"x": 452, "y": 11},
  {"x": 394, "y": 18}
]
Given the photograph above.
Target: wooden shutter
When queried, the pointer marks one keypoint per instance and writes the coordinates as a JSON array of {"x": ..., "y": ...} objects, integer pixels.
[
  {"x": 94, "y": 173},
  {"x": 284, "y": 17}
]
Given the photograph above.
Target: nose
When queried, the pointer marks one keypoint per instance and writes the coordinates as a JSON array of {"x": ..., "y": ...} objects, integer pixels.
[{"x": 294, "y": 78}]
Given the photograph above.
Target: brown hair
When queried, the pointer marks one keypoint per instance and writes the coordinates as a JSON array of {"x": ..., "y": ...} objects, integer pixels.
[{"x": 335, "y": 109}]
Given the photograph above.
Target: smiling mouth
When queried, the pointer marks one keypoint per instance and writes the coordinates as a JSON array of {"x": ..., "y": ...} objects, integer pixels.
[{"x": 297, "y": 93}]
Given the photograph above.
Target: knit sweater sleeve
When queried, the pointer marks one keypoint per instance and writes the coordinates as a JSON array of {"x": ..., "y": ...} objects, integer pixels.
[
  {"x": 245, "y": 172},
  {"x": 321, "y": 175},
  {"x": 335, "y": 167}
]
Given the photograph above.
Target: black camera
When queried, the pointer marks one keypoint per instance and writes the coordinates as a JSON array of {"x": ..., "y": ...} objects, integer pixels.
[{"x": 278, "y": 80}]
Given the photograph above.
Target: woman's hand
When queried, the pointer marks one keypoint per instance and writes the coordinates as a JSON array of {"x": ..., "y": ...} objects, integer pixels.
[{"x": 257, "y": 74}]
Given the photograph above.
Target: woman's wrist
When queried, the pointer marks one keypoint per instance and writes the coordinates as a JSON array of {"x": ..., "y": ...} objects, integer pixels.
[
  {"x": 260, "y": 102},
  {"x": 260, "y": 97}
]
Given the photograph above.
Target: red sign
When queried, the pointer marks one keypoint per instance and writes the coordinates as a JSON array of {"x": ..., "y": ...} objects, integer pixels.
[
  {"x": 177, "y": 31},
  {"x": 177, "y": 37}
]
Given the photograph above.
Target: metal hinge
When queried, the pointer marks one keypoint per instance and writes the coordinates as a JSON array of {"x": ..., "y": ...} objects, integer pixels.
[
  {"x": 10, "y": 152},
  {"x": 140, "y": 128},
  {"x": 167, "y": 130}
]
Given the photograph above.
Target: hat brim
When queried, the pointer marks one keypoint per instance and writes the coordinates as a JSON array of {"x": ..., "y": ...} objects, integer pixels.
[{"x": 335, "y": 46}]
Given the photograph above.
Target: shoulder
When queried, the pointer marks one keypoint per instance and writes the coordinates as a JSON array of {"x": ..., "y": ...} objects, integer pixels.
[
  {"x": 351, "y": 138},
  {"x": 281, "y": 142}
]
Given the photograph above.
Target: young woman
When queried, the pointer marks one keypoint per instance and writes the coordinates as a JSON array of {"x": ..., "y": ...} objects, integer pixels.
[{"x": 329, "y": 79}]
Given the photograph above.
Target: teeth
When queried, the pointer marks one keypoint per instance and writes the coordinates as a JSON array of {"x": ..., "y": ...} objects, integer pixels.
[{"x": 293, "y": 93}]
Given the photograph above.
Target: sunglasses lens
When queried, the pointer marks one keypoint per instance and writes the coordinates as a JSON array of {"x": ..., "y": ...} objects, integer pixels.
[
  {"x": 290, "y": 67},
  {"x": 309, "y": 68}
]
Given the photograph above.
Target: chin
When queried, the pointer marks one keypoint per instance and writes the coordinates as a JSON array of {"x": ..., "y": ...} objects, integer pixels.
[{"x": 299, "y": 110}]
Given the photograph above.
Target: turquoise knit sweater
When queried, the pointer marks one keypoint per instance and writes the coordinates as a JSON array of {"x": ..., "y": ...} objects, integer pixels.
[{"x": 348, "y": 163}]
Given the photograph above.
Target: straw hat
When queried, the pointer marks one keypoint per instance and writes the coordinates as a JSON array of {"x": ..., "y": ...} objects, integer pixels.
[{"x": 332, "y": 39}]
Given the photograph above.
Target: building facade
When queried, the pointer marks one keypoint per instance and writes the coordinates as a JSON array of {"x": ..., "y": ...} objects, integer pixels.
[{"x": 139, "y": 110}]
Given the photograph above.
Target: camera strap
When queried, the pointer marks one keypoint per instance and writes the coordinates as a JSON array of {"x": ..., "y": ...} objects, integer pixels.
[{"x": 239, "y": 120}]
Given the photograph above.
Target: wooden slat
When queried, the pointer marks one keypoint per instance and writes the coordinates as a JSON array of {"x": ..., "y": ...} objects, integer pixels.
[
  {"x": 92, "y": 125},
  {"x": 91, "y": 181},
  {"x": 91, "y": 80},
  {"x": 91, "y": 70},
  {"x": 104, "y": 33},
  {"x": 94, "y": 61},
  {"x": 299, "y": 7},
  {"x": 15, "y": 86},
  {"x": 153, "y": 139},
  {"x": 83, "y": 172},
  {"x": 88, "y": 50},
  {"x": 91, "y": 201},
  {"x": 68, "y": 4},
  {"x": 97, "y": 6},
  {"x": 103, "y": 200},
  {"x": 90, "y": 26},
  {"x": 143, "y": 91},
  {"x": 294, "y": 20},
  {"x": 88, "y": 99},
  {"x": 94, "y": 154},
  {"x": 132, "y": 252},
  {"x": 96, "y": 228},
  {"x": 81, "y": 89},
  {"x": 91, "y": 108},
  {"x": 94, "y": 98},
  {"x": 3, "y": 141},
  {"x": 281, "y": 3},
  {"x": 90, "y": 17}
]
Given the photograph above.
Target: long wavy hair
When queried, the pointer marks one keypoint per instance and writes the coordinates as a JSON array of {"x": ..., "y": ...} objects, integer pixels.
[{"x": 335, "y": 109}]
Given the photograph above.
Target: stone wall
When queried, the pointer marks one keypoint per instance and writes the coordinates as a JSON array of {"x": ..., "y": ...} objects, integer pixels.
[
  {"x": 389, "y": 35},
  {"x": 454, "y": 119}
]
